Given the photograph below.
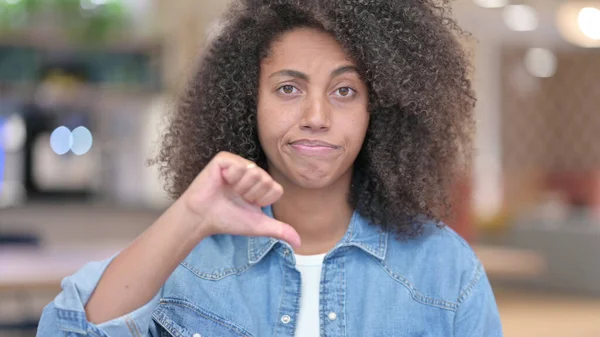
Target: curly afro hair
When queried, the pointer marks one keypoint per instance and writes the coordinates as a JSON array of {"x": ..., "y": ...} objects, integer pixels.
[{"x": 420, "y": 100}]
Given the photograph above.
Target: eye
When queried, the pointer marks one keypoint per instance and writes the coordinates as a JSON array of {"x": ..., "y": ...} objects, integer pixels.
[
  {"x": 345, "y": 92},
  {"x": 287, "y": 89}
]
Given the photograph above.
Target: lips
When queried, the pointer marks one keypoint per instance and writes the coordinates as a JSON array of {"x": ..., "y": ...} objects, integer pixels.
[{"x": 314, "y": 143}]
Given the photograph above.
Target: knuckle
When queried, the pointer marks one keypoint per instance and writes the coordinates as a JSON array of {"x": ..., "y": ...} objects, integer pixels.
[
  {"x": 254, "y": 175},
  {"x": 267, "y": 182},
  {"x": 239, "y": 189}
]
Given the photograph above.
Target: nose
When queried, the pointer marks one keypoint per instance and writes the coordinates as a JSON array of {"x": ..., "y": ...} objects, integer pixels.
[{"x": 317, "y": 115}]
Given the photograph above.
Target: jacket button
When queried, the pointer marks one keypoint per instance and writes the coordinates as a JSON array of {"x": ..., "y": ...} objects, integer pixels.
[
  {"x": 197, "y": 335},
  {"x": 285, "y": 319},
  {"x": 332, "y": 316}
]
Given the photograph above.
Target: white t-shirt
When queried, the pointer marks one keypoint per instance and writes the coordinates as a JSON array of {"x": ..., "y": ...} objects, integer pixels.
[{"x": 308, "y": 319}]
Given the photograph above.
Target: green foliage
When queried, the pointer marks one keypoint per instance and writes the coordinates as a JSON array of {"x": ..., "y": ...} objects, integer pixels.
[{"x": 85, "y": 21}]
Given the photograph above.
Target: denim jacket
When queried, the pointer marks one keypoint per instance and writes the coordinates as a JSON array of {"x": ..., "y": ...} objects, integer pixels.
[{"x": 376, "y": 285}]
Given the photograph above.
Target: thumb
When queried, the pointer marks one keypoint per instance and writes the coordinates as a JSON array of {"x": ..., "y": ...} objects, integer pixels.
[{"x": 280, "y": 230}]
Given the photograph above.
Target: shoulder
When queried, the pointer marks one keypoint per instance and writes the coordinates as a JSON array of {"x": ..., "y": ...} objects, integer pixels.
[
  {"x": 436, "y": 245},
  {"x": 439, "y": 267}
]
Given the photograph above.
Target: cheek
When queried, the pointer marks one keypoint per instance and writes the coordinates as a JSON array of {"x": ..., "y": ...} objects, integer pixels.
[
  {"x": 264, "y": 118},
  {"x": 358, "y": 124},
  {"x": 275, "y": 117},
  {"x": 269, "y": 126},
  {"x": 273, "y": 124},
  {"x": 264, "y": 130}
]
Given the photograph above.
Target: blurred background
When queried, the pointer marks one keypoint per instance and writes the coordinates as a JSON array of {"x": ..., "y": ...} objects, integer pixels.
[{"x": 84, "y": 86}]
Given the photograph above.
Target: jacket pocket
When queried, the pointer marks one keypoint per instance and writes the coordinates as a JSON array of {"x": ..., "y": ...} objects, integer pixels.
[{"x": 179, "y": 318}]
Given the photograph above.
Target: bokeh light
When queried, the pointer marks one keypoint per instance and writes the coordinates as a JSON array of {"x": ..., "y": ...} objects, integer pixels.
[
  {"x": 589, "y": 22},
  {"x": 13, "y": 133},
  {"x": 520, "y": 18},
  {"x": 491, "y": 3},
  {"x": 82, "y": 141},
  {"x": 540, "y": 62},
  {"x": 61, "y": 140}
]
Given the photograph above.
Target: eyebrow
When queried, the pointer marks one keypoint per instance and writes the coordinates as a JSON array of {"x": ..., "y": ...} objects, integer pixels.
[
  {"x": 297, "y": 74},
  {"x": 343, "y": 70},
  {"x": 290, "y": 73}
]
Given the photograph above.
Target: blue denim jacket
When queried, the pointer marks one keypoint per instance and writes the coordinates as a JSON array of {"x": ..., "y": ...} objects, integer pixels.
[{"x": 237, "y": 286}]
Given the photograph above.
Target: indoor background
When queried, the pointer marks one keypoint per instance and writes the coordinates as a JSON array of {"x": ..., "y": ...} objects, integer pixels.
[{"x": 85, "y": 86}]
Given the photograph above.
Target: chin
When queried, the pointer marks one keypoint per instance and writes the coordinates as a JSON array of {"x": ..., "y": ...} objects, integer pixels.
[
  {"x": 311, "y": 176},
  {"x": 313, "y": 184},
  {"x": 313, "y": 180}
]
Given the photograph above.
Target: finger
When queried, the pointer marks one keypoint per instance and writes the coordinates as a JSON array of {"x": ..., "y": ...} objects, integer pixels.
[
  {"x": 253, "y": 175},
  {"x": 258, "y": 190},
  {"x": 270, "y": 197},
  {"x": 270, "y": 227},
  {"x": 225, "y": 160},
  {"x": 234, "y": 173}
]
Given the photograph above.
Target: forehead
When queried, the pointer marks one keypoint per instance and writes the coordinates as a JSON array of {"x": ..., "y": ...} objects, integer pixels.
[{"x": 306, "y": 48}]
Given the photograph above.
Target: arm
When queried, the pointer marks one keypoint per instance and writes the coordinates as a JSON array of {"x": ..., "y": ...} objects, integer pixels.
[
  {"x": 136, "y": 275},
  {"x": 117, "y": 298},
  {"x": 107, "y": 299}
]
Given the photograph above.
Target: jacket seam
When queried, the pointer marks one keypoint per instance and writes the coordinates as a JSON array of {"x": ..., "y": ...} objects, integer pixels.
[
  {"x": 469, "y": 289},
  {"x": 128, "y": 323},
  {"x": 215, "y": 276},
  {"x": 343, "y": 294},
  {"x": 216, "y": 319},
  {"x": 415, "y": 294},
  {"x": 281, "y": 295},
  {"x": 368, "y": 250},
  {"x": 68, "y": 327},
  {"x": 93, "y": 333},
  {"x": 136, "y": 331},
  {"x": 255, "y": 256}
]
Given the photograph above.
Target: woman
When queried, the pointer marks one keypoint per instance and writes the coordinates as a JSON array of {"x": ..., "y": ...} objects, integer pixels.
[{"x": 360, "y": 111}]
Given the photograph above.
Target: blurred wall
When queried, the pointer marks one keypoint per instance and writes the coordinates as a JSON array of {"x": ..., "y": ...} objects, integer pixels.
[{"x": 550, "y": 126}]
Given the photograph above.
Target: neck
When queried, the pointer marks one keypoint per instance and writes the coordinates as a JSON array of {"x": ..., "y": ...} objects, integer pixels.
[{"x": 320, "y": 216}]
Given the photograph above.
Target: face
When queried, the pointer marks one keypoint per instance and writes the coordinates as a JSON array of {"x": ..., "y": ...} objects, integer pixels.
[{"x": 312, "y": 110}]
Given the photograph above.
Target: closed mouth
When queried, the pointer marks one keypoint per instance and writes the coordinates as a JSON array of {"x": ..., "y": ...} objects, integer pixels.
[{"x": 314, "y": 143}]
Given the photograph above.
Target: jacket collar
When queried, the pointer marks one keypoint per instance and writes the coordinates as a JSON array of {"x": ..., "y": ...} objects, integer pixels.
[{"x": 361, "y": 234}]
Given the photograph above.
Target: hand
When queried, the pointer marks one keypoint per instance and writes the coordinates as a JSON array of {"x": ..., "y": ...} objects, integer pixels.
[{"x": 228, "y": 195}]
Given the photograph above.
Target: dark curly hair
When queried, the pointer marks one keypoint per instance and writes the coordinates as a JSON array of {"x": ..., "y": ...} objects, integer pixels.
[{"x": 420, "y": 100}]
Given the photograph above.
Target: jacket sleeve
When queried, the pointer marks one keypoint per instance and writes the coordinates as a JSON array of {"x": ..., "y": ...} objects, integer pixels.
[
  {"x": 65, "y": 316},
  {"x": 477, "y": 314}
]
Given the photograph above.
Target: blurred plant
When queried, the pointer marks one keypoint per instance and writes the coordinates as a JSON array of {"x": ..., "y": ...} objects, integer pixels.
[
  {"x": 16, "y": 14},
  {"x": 92, "y": 21},
  {"x": 86, "y": 21}
]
